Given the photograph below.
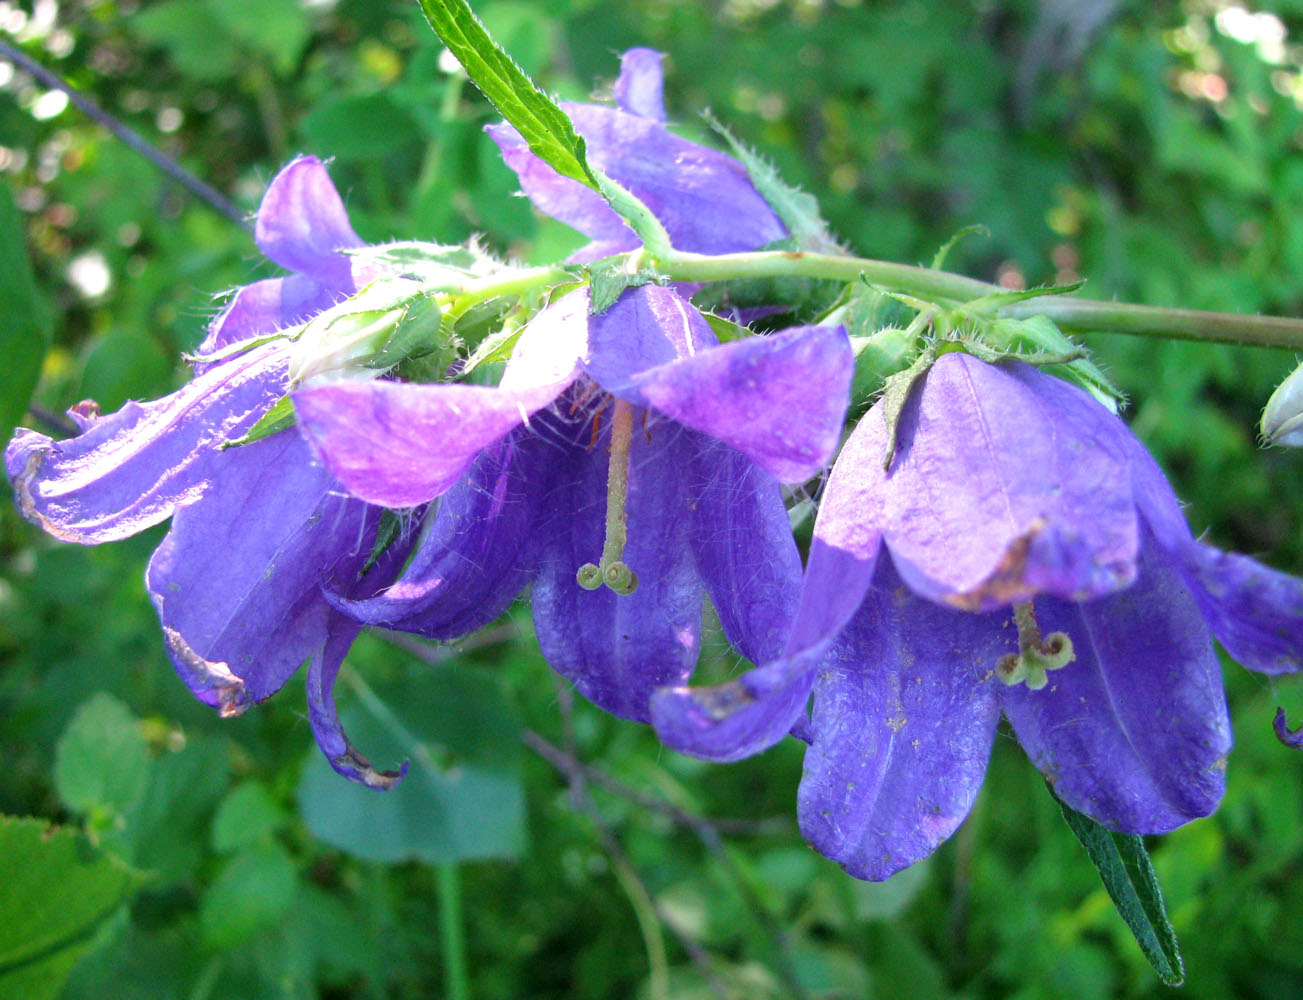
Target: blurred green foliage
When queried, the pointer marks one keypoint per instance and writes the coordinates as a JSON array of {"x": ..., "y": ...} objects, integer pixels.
[{"x": 1153, "y": 148}]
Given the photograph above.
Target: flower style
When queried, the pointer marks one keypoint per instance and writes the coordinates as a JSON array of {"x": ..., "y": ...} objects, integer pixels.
[
  {"x": 703, "y": 198},
  {"x": 256, "y": 529},
  {"x": 632, "y": 435},
  {"x": 1009, "y": 488}
]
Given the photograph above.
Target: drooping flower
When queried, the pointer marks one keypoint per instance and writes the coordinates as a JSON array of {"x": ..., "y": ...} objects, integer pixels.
[
  {"x": 702, "y": 197},
  {"x": 1010, "y": 489},
  {"x": 630, "y": 438},
  {"x": 258, "y": 529}
]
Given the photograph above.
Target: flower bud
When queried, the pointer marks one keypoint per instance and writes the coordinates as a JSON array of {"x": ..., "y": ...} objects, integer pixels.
[{"x": 1282, "y": 418}]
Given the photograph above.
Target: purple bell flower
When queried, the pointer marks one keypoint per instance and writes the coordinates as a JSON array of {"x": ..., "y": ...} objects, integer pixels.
[
  {"x": 1013, "y": 490},
  {"x": 703, "y": 198},
  {"x": 257, "y": 530},
  {"x": 703, "y": 432}
]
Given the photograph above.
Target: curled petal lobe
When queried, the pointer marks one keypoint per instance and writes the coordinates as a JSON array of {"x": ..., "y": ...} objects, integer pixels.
[
  {"x": 1290, "y": 737},
  {"x": 618, "y": 648},
  {"x": 302, "y": 224},
  {"x": 133, "y": 468},
  {"x": 323, "y": 669},
  {"x": 475, "y": 557},
  {"x": 780, "y": 400},
  {"x": 1134, "y": 731},
  {"x": 904, "y": 716},
  {"x": 648, "y": 326}
]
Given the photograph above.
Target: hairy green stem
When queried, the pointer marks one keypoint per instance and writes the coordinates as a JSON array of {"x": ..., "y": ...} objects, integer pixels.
[{"x": 1068, "y": 311}]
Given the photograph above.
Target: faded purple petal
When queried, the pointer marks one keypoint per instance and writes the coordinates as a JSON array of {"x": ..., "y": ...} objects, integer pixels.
[
  {"x": 302, "y": 224},
  {"x": 237, "y": 580},
  {"x": 133, "y": 468},
  {"x": 477, "y": 555},
  {"x": 323, "y": 669},
  {"x": 1004, "y": 485},
  {"x": 780, "y": 400},
  {"x": 904, "y": 715},
  {"x": 1134, "y": 732},
  {"x": 639, "y": 90},
  {"x": 617, "y": 649},
  {"x": 742, "y": 541}
]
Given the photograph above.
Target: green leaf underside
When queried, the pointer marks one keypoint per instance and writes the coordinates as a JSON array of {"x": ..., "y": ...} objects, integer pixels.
[
  {"x": 1128, "y": 876},
  {"x": 542, "y": 124}
]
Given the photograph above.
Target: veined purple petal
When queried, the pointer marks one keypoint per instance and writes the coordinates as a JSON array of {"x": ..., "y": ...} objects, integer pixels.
[
  {"x": 302, "y": 224},
  {"x": 742, "y": 541},
  {"x": 617, "y": 649},
  {"x": 904, "y": 716},
  {"x": 323, "y": 669},
  {"x": 133, "y": 468},
  {"x": 237, "y": 580},
  {"x": 780, "y": 400},
  {"x": 476, "y": 556},
  {"x": 1006, "y": 483},
  {"x": 647, "y": 327},
  {"x": 639, "y": 90},
  {"x": 1134, "y": 732}
]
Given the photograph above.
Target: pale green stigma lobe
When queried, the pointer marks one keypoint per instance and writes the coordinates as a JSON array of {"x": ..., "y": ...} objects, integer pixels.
[
  {"x": 612, "y": 571},
  {"x": 1036, "y": 654}
]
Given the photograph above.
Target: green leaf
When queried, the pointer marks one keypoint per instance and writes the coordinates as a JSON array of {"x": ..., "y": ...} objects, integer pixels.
[
  {"x": 544, "y": 126},
  {"x": 25, "y": 334},
  {"x": 246, "y": 816},
  {"x": 56, "y": 892},
  {"x": 1128, "y": 876},
  {"x": 254, "y": 890},
  {"x": 609, "y": 278},
  {"x": 102, "y": 762},
  {"x": 462, "y": 797}
]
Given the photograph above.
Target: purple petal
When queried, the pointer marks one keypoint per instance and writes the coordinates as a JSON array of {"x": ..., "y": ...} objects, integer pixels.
[
  {"x": 647, "y": 327},
  {"x": 1134, "y": 732},
  {"x": 322, "y": 671},
  {"x": 1006, "y": 483},
  {"x": 903, "y": 720},
  {"x": 742, "y": 541},
  {"x": 133, "y": 468},
  {"x": 617, "y": 649},
  {"x": 401, "y": 445},
  {"x": 237, "y": 581},
  {"x": 1255, "y": 612},
  {"x": 476, "y": 556},
  {"x": 302, "y": 224},
  {"x": 641, "y": 83},
  {"x": 1290, "y": 737},
  {"x": 780, "y": 400},
  {"x": 265, "y": 307}
]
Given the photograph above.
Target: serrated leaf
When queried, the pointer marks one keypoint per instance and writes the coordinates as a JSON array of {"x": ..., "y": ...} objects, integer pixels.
[
  {"x": 1128, "y": 876},
  {"x": 25, "y": 335},
  {"x": 798, "y": 210},
  {"x": 544, "y": 126},
  {"x": 56, "y": 892},
  {"x": 276, "y": 419}
]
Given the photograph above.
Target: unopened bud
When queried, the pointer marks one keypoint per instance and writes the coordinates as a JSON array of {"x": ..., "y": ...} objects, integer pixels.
[{"x": 1282, "y": 418}]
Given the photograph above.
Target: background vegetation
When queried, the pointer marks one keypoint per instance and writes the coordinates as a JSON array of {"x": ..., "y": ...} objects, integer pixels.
[{"x": 1151, "y": 147}]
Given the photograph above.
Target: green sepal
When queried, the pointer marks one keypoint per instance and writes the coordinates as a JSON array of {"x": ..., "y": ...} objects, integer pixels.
[
  {"x": 240, "y": 346},
  {"x": 544, "y": 126},
  {"x": 1130, "y": 881},
  {"x": 278, "y": 418},
  {"x": 939, "y": 259},
  {"x": 879, "y": 356},
  {"x": 1037, "y": 340},
  {"x": 437, "y": 267},
  {"x": 895, "y": 394},
  {"x": 798, "y": 210},
  {"x": 608, "y": 279},
  {"x": 989, "y": 304},
  {"x": 493, "y": 349},
  {"x": 723, "y": 329},
  {"x": 388, "y": 531},
  {"x": 418, "y": 333}
]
